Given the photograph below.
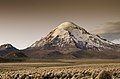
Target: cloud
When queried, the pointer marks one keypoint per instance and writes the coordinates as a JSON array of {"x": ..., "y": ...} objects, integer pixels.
[{"x": 109, "y": 27}]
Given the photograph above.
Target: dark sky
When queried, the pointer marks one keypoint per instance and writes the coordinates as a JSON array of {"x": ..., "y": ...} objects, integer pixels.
[{"x": 22, "y": 22}]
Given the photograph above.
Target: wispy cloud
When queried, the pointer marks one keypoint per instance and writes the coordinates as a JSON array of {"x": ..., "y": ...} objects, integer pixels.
[{"x": 110, "y": 27}]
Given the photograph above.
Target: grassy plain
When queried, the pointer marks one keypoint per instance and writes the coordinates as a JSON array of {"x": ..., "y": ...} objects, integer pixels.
[{"x": 61, "y": 69}]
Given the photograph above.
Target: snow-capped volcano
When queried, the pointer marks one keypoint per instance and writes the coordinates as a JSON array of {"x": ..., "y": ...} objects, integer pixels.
[
  {"x": 68, "y": 41},
  {"x": 69, "y": 34}
]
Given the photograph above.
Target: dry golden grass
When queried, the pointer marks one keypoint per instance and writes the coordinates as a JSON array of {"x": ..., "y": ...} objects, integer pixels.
[{"x": 64, "y": 69}]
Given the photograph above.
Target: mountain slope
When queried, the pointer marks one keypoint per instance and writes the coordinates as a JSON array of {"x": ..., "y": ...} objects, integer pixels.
[
  {"x": 2, "y": 60},
  {"x": 71, "y": 41},
  {"x": 8, "y": 51}
]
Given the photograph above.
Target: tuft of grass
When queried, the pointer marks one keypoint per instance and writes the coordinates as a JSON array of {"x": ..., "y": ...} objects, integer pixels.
[{"x": 104, "y": 75}]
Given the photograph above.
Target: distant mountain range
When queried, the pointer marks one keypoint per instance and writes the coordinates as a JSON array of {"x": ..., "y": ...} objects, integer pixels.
[
  {"x": 66, "y": 41},
  {"x": 117, "y": 41},
  {"x": 8, "y": 51},
  {"x": 114, "y": 37}
]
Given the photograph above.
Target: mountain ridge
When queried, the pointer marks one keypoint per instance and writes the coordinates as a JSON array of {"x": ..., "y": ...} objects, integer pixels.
[{"x": 7, "y": 51}]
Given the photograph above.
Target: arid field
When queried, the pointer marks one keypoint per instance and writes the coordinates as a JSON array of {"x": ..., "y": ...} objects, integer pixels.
[{"x": 61, "y": 69}]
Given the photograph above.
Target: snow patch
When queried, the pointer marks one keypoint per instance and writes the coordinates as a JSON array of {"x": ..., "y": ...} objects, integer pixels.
[
  {"x": 65, "y": 25},
  {"x": 116, "y": 41}
]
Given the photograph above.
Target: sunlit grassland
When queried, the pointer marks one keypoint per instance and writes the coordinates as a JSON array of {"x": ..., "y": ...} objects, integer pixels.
[{"x": 60, "y": 69}]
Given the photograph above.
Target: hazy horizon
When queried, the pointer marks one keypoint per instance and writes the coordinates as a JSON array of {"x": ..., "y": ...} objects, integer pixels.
[{"x": 25, "y": 21}]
